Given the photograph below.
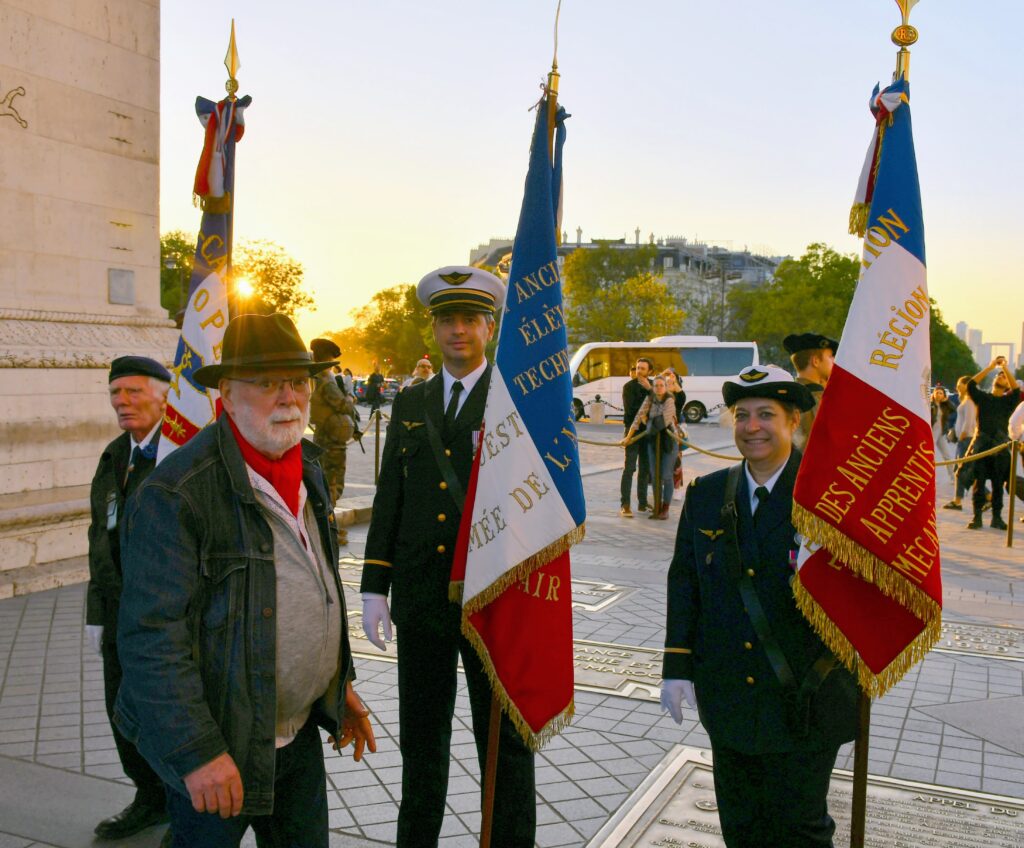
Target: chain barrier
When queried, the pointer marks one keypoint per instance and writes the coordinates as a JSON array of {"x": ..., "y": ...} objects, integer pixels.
[{"x": 1014, "y": 448}]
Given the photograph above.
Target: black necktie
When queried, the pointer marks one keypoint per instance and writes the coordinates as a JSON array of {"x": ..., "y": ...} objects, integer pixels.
[
  {"x": 761, "y": 493},
  {"x": 453, "y": 405},
  {"x": 140, "y": 456}
]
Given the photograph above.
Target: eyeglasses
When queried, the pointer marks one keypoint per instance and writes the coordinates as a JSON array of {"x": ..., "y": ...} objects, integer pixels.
[{"x": 266, "y": 386}]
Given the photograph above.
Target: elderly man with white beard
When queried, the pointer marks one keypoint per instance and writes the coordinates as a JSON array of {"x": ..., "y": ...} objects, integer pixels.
[{"x": 232, "y": 629}]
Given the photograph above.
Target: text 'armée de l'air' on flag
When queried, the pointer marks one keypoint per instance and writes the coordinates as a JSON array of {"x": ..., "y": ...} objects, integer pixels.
[{"x": 524, "y": 504}]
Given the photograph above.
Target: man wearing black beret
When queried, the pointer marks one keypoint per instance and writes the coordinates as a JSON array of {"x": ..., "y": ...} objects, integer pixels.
[
  {"x": 812, "y": 355},
  {"x": 138, "y": 393}
]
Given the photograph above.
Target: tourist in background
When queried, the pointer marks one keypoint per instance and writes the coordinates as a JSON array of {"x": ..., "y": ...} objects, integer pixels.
[
  {"x": 943, "y": 421},
  {"x": 658, "y": 413},
  {"x": 634, "y": 393}
]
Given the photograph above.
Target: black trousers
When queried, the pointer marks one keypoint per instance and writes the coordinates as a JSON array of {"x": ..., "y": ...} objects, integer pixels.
[
  {"x": 427, "y": 662},
  {"x": 150, "y": 788},
  {"x": 774, "y": 800},
  {"x": 636, "y": 458},
  {"x": 300, "y": 815},
  {"x": 997, "y": 469}
]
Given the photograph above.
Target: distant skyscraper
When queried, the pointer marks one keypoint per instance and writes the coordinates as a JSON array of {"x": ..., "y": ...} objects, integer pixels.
[
  {"x": 974, "y": 343},
  {"x": 961, "y": 330}
]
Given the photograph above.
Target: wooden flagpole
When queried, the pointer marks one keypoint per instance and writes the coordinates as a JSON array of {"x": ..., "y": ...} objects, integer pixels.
[
  {"x": 858, "y": 814},
  {"x": 490, "y": 773},
  {"x": 232, "y": 63},
  {"x": 903, "y": 36}
]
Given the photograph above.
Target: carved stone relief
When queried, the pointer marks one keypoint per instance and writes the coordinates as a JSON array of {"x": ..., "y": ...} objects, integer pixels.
[
  {"x": 7, "y": 109},
  {"x": 37, "y": 339}
]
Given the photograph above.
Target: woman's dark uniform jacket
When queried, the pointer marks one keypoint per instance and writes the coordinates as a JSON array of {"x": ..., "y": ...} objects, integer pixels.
[
  {"x": 415, "y": 519},
  {"x": 711, "y": 640}
]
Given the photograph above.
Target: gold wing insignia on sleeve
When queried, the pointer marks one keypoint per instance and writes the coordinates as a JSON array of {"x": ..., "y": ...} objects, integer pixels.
[
  {"x": 412, "y": 425},
  {"x": 711, "y": 534}
]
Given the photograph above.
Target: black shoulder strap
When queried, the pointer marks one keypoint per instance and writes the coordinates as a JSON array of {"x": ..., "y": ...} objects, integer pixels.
[
  {"x": 444, "y": 463},
  {"x": 780, "y": 665}
]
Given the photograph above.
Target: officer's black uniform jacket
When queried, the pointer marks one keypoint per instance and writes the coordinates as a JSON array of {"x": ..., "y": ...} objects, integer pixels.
[
  {"x": 711, "y": 640},
  {"x": 415, "y": 519},
  {"x": 104, "y": 549}
]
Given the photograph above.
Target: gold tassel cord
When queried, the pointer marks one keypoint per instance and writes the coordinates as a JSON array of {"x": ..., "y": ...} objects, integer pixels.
[
  {"x": 866, "y": 565},
  {"x": 534, "y": 740},
  {"x": 859, "y": 219},
  {"x": 524, "y": 569},
  {"x": 875, "y": 685}
]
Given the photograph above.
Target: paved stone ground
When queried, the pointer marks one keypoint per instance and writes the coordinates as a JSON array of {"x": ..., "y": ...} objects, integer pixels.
[{"x": 955, "y": 720}]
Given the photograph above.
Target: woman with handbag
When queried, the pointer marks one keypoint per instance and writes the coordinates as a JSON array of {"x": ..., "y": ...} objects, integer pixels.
[{"x": 658, "y": 411}]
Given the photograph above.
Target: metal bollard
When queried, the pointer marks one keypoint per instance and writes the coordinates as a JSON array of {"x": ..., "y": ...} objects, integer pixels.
[
  {"x": 1014, "y": 454},
  {"x": 657, "y": 472},
  {"x": 376, "y": 446}
]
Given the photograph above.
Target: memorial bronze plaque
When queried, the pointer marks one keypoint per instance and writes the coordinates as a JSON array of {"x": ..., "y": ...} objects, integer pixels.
[
  {"x": 588, "y": 595},
  {"x": 595, "y": 595},
  {"x": 675, "y": 806},
  {"x": 625, "y": 670},
  {"x": 958, "y": 637}
]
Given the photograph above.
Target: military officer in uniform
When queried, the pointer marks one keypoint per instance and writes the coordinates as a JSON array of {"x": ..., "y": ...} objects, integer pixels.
[
  {"x": 774, "y": 700},
  {"x": 424, "y": 473},
  {"x": 332, "y": 414},
  {"x": 138, "y": 393},
  {"x": 813, "y": 356}
]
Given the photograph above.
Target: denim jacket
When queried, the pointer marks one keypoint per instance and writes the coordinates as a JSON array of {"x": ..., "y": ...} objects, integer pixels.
[{"x": 197, "y": 630}]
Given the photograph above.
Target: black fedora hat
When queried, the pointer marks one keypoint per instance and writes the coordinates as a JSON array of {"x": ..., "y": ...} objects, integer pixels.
[{"x": 259, "y": 342}]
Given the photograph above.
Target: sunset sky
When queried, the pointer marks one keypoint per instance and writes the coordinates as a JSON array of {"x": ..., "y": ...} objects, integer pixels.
[{"x": 388, "y": 138}]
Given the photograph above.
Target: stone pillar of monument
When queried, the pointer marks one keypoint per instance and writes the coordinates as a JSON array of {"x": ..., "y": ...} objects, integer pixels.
[{"x": 79, "y": 260}]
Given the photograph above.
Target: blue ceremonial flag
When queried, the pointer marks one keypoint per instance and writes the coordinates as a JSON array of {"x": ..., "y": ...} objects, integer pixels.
[
  {"x": 190, "y": 406},
  {"x": 524, "y": 506}
]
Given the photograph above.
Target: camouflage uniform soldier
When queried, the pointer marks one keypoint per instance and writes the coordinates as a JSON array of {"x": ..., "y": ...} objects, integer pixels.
[{"x": 332, "y": 416}]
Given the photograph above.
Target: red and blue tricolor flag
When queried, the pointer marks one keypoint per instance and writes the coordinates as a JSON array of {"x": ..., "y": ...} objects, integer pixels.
[
  {"x": 869, "y": 579},
  {"x": 524, "y": 504},
  {"x": 190, "y": 406}
]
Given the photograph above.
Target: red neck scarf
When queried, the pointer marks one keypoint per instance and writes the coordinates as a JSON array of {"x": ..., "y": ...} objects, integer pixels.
[{"x": 284, "y": 474}]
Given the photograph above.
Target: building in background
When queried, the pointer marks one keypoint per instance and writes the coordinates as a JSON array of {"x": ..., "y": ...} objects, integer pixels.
[
  {"x": 79, "y": 261},
  {"x": 696, "y": 273}
]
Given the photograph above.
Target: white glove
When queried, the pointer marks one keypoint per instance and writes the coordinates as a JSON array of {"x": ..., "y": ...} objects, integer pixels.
[
  {"x": 375, "y": 614},
  {"x": 673, "y": 693},
  {"x": 94, "y": 633}
]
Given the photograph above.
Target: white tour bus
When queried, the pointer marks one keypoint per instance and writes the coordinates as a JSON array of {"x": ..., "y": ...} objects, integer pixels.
[{"x": 600, "y": 369}]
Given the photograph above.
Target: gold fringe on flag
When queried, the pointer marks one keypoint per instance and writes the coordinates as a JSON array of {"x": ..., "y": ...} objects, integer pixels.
[
  {"x": 866, "y": 565},
  {"x": 874, "y": 685},
  {"x": 522, "y": 570},
  {"x": 534, "y": 740}
]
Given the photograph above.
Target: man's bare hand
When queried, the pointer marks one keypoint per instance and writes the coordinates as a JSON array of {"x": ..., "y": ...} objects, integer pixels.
[
  {"x": 216, "y": 787},
  {"x": 355, "y": 726}
]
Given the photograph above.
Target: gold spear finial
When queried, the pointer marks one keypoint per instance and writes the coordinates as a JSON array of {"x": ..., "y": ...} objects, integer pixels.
[
  {"x": 552, "y": 89},
  {"x": 232, "y": 63},
  {"x": 903, "y": 36}
]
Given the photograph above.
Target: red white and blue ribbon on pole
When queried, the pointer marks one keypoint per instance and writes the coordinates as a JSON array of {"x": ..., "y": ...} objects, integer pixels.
[{"x": 190, "y": 406}]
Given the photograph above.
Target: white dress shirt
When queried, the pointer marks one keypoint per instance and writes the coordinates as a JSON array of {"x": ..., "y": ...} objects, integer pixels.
[
  {"x": 769, "y": 484},
  {"x": 468, "y": 382}
]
